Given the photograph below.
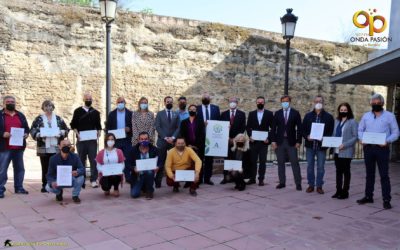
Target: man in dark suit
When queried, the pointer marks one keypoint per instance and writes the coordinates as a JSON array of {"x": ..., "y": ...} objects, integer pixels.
[
  {"x": 286, "y": 140},
  {"x": 167, "y": 125},
  {"x": 206, "y": 112},
  {"x": 121, "y": 118},
  {"x": 259, "y": 120},
  {"x": 237, "y": 120}
]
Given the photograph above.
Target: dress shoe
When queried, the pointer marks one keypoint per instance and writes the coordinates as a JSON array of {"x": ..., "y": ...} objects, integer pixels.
[
  {"x": 298, "y": 187},
  {"x": 76, "y": 199},
  {"x": 43, "y": 190},
  {"x": 59, "y": 197},
  {"x": 261, "y": 183},
  {"x": 116, "y": 193},
  {"x": 106, "y": 193},
  {"x": 149, "y": 196},
  {"x": 280, "y": 186},
  {"x": 387, "y": 205},
  {"x": 209, "y": 183},
  {"x": 343, "y": 195},
  {"x": 223, "y": 182},
  {"x": 158, "y": 185},
  {"x": 251, "y": 181},
  {"x": 310, "y": 189},
  {"x": 365, "y": 200},
  {"x": 320, "y": 190},
  {"x": 175, "y": 190},
  {"x": 336, "y": 195},
  {"x": 193, "y": 192},
  {"x": 1, "y": 196},
  {"x": 21, "y": 191}
]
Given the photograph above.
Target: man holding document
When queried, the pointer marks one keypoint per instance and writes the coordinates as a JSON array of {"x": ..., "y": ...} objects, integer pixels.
[
  {"x": 182, "y": 158},
  {"x": 316, "y": 124},
  {"x": 13, "y": 131},
  {"x": 378, "y": 128},
  {"x": 65, "y": 170}
]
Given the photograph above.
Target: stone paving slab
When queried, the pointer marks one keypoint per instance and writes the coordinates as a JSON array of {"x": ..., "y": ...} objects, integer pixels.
[{"x": 218, "y": 218}]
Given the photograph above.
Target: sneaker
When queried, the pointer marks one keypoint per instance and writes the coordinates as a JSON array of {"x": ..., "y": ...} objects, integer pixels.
[
  {"x": 387, "y": 205},
  {"x": 59, "y": 197},
  {"x": 76, "y": 199},
  {"x": 94, "y": 184},
  {"x": 365, "y": 200},
  {"x": 193, "y": 192}
]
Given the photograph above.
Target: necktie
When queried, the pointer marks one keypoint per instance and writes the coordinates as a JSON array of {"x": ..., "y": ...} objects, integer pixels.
[
  {"x": 207, "y": 113},
  {"x": 286, "y": 118},
  {"x": 169, "y": 116},
  {"x": 232, "y": 117}
]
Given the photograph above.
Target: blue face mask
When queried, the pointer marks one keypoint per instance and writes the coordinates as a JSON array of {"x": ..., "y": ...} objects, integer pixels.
[
  {"x": 143, "y": 106},
  {"x": 120, "y": 106},
  {"x": 144, "y": 143},
  {"x": 285, "y": 105}
]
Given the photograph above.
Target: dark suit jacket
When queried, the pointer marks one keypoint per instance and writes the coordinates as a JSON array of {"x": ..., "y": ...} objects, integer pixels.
[
  {"x": 214, "y": 112},
  {"x": 112, "y": 121},
  {"x": 293, "y": 127},
  {"x": 239, "y": 123},
  {"x": 266, "y": 123},
  {"x": 199, "y": 132},
  {"x": 164, "y": 128},
  {"x": 309, "y": 118}
]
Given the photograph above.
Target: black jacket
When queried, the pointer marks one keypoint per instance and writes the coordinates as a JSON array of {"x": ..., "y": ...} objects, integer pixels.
[
  {"x": 200, "y": 135},
  {"x": 24, "y": 124},
  {"x": 266, "y": 123},
  {"x": 82, "y": 120},
  {"x": 239, "y": 123},
  {"x": 134, "y": 155},
  {"x": 111, "y": 123},
  {"x": 293, "y": 127},
  {"x": 311, "y": 117}
]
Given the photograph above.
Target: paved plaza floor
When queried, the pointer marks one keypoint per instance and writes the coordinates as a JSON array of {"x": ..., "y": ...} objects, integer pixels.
[{"x": 218, "y": 218}]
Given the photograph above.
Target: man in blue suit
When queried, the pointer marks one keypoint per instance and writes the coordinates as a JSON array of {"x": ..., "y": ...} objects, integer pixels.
[
  {"x": 206, "y": 112},
  {"x": 121, "y": 118}
]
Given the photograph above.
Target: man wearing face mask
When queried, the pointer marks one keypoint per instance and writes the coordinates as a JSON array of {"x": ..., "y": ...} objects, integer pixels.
[
  {"x": 183, "y": 113},
  {"x": 11, "y": 118},
  {"x": 259, "y": 120},
  {"x": 286, "y": 140},
  {"x": 206, "y": 112},
  {"x": 314, "y": 147},
  {"x": 65, "y": 157},
  {"x": 237, "y": 121},
  {"x": 167, "y": 126},
  {"x": 87, "y": 118},
  {"x": 121, "y": 118},
  {"x": 378, "y": 121}
]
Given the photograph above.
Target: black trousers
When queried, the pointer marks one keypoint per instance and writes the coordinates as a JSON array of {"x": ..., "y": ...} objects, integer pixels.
[
  {"x": 44, "y": 161},
  {"x": 343, "y": 174},
  {"x": 258, "y": 150},
  {"x": 88, "y": 149},
  {"x": 107, "y": 182}
]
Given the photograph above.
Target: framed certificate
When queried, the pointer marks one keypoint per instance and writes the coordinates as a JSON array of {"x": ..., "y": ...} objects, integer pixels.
[
  {"x": 332, "y": 142},
  {"x": 259, "y": 135},
  {"x": 374, "y": 138},
  {"x": 232, "y": 165},
  {"x": 184, "y": 175}
]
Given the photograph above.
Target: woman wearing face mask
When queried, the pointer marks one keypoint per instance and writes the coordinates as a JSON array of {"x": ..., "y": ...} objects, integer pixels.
[
  {"x": 192, "y": 129},
  {"x": 345, "y": 127},
  {"x": 240, "y": 152},
  {"x": 52, "y": 126},
  {"x": 142, "y": 120},
  {"x": 110, "y": 155}
]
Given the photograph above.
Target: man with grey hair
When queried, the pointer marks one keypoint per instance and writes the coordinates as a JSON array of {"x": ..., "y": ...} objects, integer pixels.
[
  {"x": 11, "y": 118},
  {"x": 377, "y": 121}
]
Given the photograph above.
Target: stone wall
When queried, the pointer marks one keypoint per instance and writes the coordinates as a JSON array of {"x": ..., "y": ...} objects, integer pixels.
[{"x": 57, "y": 51}]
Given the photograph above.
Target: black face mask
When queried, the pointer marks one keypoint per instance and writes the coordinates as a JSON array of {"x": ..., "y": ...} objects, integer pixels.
[
  {"x": 377, "y": 107},
  {"x": 342, "y": 114},
  {"x": 192, "y": 113},
  {"x": 260, "y": 106},
  {"x": 169, "y": 106},
  {"x": 88, "y": 103},
  {"x": 10, "y": 106},
  {"x": 240, "y": 144},
  {"x": 182, "y": 106},
  {"x": 205, "y": 101},
  {"x": 66, "y": 149}
]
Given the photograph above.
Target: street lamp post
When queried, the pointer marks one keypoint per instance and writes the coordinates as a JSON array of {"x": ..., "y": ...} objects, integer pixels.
[
  {"x": 288, "y": 26},
  {"x": 108, "y": 9}
]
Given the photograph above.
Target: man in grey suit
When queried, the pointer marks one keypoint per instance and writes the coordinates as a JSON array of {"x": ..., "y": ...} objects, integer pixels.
[{"x": 167, "y": 125}]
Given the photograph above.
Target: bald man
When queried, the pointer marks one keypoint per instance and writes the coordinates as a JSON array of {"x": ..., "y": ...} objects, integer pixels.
[{"x": 87, "y": 118}]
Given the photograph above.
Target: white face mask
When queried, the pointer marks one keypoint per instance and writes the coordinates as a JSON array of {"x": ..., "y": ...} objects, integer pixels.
[
  {"x": 233, "y": 105},
  {"x": 110, "y": 143},
  {"x": 318, "y": 106}
]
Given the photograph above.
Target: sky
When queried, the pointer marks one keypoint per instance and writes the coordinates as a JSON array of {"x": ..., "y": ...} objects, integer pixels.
[{"x": 318, "y": 19}]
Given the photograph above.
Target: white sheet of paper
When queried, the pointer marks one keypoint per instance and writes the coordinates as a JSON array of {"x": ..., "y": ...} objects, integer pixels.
[
  {"x": 112, "y": 169},
  {"x": 17, "y": 136},
  {"x": 232, "y": 165},
  {"x": 64, "y": 175},
  {"x": 49, "y": 132},
  {"x": 88, "y": 135},
  {"x": 259, "y": 135},
  {"x": 146, "y": 164},
  {"x": 119, "y": 133},
  {"x": 184, "y": 175},
  {"x": 332, "y": 142},
  {"x": 317, "y": 131},
  {"x": 374, "y": 138}
]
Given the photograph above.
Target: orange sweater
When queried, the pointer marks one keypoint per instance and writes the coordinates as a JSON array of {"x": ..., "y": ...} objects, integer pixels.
[{"x": 175, "y": 161}]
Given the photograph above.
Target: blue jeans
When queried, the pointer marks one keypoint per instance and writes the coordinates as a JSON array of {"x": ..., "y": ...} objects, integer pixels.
[
  {"x": 76, "y": 186},
  {"x": 17, "y": 158},
  {"x": 146, "y": 179},
  {"x": 321, "y": 157}
]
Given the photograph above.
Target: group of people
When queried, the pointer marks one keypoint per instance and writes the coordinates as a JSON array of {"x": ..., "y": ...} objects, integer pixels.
[{"x": 180, "y": 145}]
